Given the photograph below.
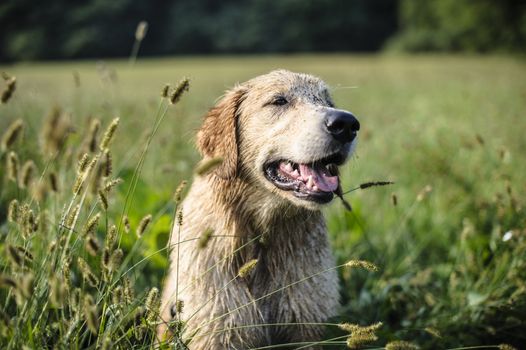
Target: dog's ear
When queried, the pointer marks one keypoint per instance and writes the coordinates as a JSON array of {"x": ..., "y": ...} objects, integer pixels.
[{"x": 218, "y": 134}]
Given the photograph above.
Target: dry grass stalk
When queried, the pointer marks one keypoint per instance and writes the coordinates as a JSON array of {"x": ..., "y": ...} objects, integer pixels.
[{"x": 208, "y": 165}]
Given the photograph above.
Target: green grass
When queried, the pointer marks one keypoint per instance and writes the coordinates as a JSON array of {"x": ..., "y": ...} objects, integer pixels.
[{"x": 455, "y": 124}]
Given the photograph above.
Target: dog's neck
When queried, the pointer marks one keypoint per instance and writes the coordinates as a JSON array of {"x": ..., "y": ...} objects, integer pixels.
[{"x": 255, "y": 208}]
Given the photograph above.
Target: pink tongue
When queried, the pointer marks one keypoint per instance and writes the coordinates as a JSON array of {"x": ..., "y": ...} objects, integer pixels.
[{"x": 321, "y": 177}]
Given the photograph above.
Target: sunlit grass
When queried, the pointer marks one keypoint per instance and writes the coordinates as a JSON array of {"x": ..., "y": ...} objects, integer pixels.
[{"x": 449, "y": 131}]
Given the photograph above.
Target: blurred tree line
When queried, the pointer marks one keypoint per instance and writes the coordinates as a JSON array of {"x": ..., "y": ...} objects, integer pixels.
[{"x": 103, "y": 28}]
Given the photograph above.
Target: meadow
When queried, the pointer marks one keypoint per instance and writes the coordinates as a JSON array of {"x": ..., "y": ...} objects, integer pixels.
[{"x": 448, "y": 237}]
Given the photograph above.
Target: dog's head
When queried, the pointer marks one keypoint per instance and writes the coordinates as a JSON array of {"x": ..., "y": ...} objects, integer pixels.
[{"x": 282, "y": 132}]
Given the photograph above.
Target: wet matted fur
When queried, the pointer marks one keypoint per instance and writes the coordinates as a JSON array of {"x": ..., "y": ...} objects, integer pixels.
[{"x": 272, "y": 132}]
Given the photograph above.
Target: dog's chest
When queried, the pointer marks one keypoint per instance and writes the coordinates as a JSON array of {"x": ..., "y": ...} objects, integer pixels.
[{"x": 286, "y": 276}]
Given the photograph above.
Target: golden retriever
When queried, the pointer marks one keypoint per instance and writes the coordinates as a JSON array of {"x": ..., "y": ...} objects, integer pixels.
[{"x": 281, "y": 140}]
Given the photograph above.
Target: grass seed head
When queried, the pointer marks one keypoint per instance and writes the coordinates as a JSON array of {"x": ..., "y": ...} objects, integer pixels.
[
  {"x": 111, "y": 237},
  {"x": 92, "y": 135},
  {"x": 87, "y": 274},
  {"x": 117, "y": 295},
  {"x": 179, "y": 306},
  {"x": 72, "y": 216},
  {"x": 152, "y": 305},
  {"x": 362, "y": 264},
  {"x": 91, "y": 315},
  {"x": 26, "y": 174},
  {"x": 53, "y": 181},
  {"x": 143, "y": 225},
  {"x": 28, "y": 221},
  {"x": 12, "y": 212},
  {"x": 9, "y": 89},
  {"x": 394, "y": 199},
  {"x": 12, "y": 134},
  {"x": 126, "y": 222},
  {"x": 112, "y": 183},
  {"x": 360, "y": 335},
  {"x": 433, "y": 331},
  {"x": 7, "y": 282},
  {"x": 57, "y": 292},
  {"x": 82, "y": 164},
  {"x": 179, "y": 191},
  {"x": 116, "y": 259},
  {"x": 374, "y": 184},
  {"x": 107, "y": 163},
  {"x": 247, "y": 268},
  {"x": 141, "y": 30},
  {"x": 103, "y": 199},
  {"x": 92, "y": 245},
  {"x": 14, "y": 255},
  {"x": 165, "y": 90},
  {"x": 56, "y": 128},
  {"x": 108, "y": 135},
  {"x": 181, "y": 87},
  {"x": 12, "y": 166},
  {"x": 205, "y": 238},
  {"x": 507, "y": 347},
  {"x": 129, "y": 295},
  {"x": 180, "y": 217},
  {"x": 423, "y": 193},
  {"x": 91, "y": 225},
  {"x": 401, "y": 345}
]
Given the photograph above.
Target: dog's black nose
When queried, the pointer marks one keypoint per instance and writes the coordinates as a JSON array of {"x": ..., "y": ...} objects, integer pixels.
[{"x": 341, "y": 125}]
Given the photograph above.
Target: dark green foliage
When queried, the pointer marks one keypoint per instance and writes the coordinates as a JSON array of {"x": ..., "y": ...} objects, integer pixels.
[
  {"x": 461, "y": 25},
  {"x": 66, "y": 29}
]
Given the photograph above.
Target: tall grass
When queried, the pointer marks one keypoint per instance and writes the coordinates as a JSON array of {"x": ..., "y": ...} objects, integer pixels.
[{"x": 83, "y": 245}]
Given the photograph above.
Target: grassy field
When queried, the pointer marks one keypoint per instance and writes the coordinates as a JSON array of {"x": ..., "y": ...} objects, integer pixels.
[{"x": 449, "y": 236}]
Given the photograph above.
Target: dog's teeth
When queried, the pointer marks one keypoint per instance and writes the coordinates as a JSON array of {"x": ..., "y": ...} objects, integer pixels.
[
  {"x": 315, "y": 188},
  {"x": 295, "y": 174},
  {"x": 288, "y": 168},
  {"x": 310, "y": 182}
]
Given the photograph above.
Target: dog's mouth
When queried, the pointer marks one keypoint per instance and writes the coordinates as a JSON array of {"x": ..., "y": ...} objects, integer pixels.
[{"x": 315, "y": 181}]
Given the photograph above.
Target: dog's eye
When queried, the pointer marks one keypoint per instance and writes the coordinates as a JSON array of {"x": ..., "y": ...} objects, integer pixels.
[{"x": 279, "y": 101}]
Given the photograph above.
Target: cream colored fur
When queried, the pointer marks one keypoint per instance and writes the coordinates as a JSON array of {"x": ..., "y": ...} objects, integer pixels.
[{"x": 288, "y": 234}]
